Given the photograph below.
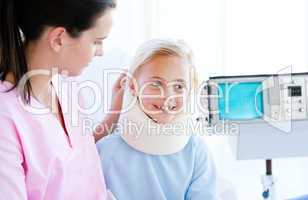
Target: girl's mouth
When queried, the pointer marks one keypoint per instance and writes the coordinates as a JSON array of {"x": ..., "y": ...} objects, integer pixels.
[{"x": 165, "y": 109}]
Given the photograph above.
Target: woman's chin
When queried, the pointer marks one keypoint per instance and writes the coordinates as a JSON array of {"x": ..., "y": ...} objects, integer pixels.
[{"x": 77, "y": 72}]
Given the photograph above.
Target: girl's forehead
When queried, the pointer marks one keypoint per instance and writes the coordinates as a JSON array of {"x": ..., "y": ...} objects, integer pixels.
[{"x": 169, "y": 68}]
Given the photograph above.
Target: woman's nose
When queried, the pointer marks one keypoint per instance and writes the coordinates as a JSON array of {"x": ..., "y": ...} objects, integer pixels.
[{"x": 99, "y": 52}]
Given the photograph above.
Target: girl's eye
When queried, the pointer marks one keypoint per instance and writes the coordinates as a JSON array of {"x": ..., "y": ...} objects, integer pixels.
[
  {"x": 156, "y": 84},
  {"x": 179, "y": 87}
]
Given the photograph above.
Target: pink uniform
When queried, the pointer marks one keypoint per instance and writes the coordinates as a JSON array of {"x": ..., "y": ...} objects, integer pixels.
[{"x": 39, "y": 161}]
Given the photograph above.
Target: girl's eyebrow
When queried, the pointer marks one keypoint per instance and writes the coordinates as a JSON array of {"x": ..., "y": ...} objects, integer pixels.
[
  {"x": 157, "y": 77},
  {"x": 180, "y": 80},
  {"x": 176, "y": 80}
]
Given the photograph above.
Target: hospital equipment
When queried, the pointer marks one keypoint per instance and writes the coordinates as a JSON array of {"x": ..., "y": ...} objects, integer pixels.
[{"x": 270, "y": 112}]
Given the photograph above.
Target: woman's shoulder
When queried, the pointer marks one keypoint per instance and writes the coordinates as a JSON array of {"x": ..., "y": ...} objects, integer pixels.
[
  {"x": 12, "y": 106},
  {"x": 8, "y": 105},
  {"x": 8, "y": 99}
]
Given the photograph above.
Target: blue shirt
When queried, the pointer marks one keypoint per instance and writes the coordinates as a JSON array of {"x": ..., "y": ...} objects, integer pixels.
[{"x": 134, "y": 175}]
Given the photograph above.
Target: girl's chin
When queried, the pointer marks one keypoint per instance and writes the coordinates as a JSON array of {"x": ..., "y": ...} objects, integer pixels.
[{"x": 162, "y": 119}]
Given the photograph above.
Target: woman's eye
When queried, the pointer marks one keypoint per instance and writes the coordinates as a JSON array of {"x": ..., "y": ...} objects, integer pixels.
[{"x": 98, "y": 42}]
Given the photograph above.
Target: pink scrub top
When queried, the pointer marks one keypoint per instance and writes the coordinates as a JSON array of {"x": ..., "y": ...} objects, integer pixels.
[{"x": 38, "y": 160}]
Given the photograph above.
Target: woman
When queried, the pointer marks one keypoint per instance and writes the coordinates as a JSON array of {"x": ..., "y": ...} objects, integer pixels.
[{"x": 43, "y": 156}]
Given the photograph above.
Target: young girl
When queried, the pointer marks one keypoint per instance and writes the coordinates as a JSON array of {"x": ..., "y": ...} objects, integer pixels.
[
  {"x": 45, "y": 156},
  {"x": 152, "y": 155}
]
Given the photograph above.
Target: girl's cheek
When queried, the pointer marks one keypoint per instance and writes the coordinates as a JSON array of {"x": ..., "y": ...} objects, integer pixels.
[
  {"x": 149, "y": 93},
  {"x": 179, "y": 103},
  {"x": 147, "y": 103},
  {"x": 150, "y": 97}
]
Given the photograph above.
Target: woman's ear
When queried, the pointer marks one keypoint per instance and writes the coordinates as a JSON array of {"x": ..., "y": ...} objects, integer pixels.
[{"x": 56, "y": 38}]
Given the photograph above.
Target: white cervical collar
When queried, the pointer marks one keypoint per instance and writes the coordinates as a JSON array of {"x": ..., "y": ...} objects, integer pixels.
[{"x": 145, "y": 135}]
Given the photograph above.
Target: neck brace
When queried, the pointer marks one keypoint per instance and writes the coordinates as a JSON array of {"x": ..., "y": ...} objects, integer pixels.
[{"x": 143, "y": 134}]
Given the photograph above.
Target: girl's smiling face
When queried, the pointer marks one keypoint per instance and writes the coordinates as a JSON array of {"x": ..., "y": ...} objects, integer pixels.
[{"x": 162, "y": 85}]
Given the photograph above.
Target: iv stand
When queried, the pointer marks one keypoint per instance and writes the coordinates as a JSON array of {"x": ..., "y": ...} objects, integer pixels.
[{"x": 268, "y": 182}]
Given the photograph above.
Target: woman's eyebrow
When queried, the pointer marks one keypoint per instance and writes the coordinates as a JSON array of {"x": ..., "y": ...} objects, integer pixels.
[{"x": 101, "y": 38}]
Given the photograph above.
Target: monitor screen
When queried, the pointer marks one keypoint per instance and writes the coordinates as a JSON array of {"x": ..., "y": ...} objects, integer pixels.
[{"x": 240, "y": 101}]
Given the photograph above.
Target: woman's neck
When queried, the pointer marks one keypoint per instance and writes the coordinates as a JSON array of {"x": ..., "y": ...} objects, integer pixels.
[
  {"x": 40, "y": 87},
  {"x": 10, "y": 78},
  {"x": 39, "y": 63}
]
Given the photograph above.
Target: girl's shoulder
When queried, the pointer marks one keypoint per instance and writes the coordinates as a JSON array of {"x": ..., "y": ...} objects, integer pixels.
[
  {"x": 110, "y": 142},
  {"x": 197, "y": 143},
  {"x": 197, "y": 147}
]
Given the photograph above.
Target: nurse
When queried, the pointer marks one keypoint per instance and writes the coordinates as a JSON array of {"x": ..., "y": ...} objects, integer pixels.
[
  {"x": 43, "y": 155},
  {"x": 153, "y": 154}
]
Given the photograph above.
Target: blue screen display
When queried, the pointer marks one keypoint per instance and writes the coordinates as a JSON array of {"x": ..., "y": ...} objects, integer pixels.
[{"x": 240, "y": 101}]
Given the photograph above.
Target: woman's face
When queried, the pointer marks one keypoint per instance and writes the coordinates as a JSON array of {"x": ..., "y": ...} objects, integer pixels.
[
  {"x": 163, "y": 85},
  {"x": 78, "y": 52}
]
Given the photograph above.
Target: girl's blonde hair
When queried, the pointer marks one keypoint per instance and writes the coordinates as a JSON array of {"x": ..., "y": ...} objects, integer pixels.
[{"x": 163, "y": 47}]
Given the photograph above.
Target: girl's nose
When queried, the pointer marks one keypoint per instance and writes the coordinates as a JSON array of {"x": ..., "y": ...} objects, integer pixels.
[{"x": 170, "y": 104}]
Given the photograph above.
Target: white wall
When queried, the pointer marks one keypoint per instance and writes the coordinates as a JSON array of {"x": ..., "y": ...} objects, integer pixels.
[
  {"x": 265, "y": 36},
  {"x": 201, "y": 24}
]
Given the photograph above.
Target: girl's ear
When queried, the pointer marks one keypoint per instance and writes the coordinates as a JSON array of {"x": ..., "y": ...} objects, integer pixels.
[{"x": 133, "y": 86}]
